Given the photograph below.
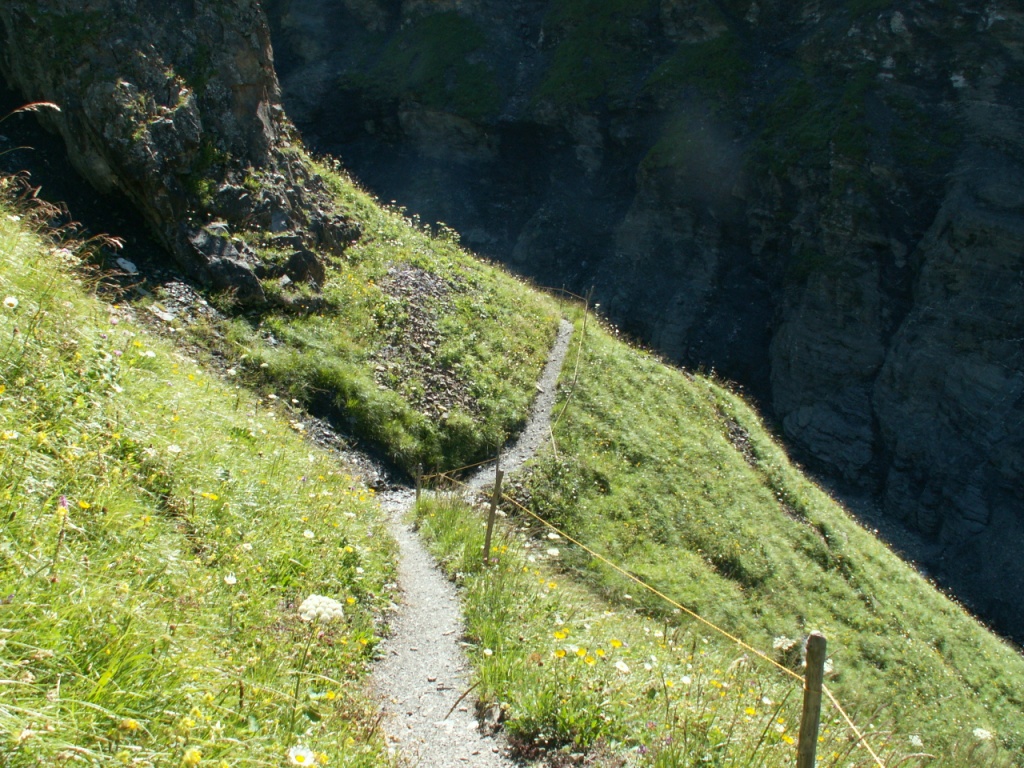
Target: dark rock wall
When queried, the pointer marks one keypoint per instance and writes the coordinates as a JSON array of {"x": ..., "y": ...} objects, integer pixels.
[
  {"x": 821, "y": 200},
  {"x": 175, "y": 104}
]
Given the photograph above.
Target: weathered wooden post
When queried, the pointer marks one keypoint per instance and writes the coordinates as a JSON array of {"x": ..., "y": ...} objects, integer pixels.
[
  {"x": 495, "y": 498},
  {"x": 419, "y": 482},
  {"x": 807, "y": 744}
]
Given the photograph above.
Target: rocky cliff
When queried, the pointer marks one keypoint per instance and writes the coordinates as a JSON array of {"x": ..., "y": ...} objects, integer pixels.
[
  {"x": 175, "y": 105},
  {"x": 822, "y": 200}
]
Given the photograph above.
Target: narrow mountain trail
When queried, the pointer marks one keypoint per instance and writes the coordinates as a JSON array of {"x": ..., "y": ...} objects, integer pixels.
[{"x": 424, "y": 671}]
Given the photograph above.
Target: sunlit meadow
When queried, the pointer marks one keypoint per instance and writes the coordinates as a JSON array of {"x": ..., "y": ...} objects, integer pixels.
[{"x": 159, "y": 530}]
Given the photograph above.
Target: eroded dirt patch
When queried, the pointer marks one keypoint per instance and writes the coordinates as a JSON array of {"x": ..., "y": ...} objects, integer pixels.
[{"x": 409, "y": 363}]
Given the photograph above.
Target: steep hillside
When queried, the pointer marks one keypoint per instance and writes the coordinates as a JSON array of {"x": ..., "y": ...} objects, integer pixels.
[
  {"x": 117, "y": 462},
  {"x": 821, "y": 200},
  {"x": 161, "y": 530}
]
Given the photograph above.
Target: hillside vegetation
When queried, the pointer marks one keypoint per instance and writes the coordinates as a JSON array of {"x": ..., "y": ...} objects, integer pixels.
[
  {"x": 162, "y": 529},
  {"x": 423, "y": 351},
  {"x": 674, "y": 478},
  {"x": 159, "y": 531}
]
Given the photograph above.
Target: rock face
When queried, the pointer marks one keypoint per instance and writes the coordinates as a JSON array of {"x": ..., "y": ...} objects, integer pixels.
[
  {"x": 176, "y": 105},
  {"x": 823, "y": 201}
]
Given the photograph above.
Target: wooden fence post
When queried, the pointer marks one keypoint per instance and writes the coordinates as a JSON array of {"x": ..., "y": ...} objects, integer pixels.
[
  {"x": 419, "y": 482},
  {"x": 498, "y": 475},
  {"x": 807, "y": 744}
]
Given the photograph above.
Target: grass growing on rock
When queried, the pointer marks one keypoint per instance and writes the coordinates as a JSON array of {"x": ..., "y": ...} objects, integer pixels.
[
  {"x": 676, "y": 479},
  {"x": 420, "y": 349},
  {"x": 159, "y": 531}
]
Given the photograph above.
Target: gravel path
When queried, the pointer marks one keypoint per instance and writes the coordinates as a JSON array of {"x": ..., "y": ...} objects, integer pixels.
[
  {"x": 538, "y": 427},
  {"x": 424, "y": 670}
]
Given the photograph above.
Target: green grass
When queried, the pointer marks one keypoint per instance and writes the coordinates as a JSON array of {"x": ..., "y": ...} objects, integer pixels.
[
  {"x": 650, "y": 472},
  {"x": 599, "y": 52},
  {"x": 715, "y": 67},
  {"x": 158, "y": 530},
  {"x": 573, "y": 672},
  {"x": 437, "y": 60},
  {"x": 372, "y": 356}
]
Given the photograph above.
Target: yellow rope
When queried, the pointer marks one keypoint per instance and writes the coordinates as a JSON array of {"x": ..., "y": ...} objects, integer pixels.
[
  {"x": 856, "y": 731},
  {"x": 448, "y": 472},
  {"x": 655, "y": 591}
]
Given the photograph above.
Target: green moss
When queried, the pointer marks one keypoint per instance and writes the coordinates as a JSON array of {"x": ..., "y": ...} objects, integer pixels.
[
  {"x": 715, "y": 67},
  {"x": 430, "y": 60},
  {"x": 200, "y": 183},
  {"x": 810, "y": 124},
  {"x": 599, "y": 53},
  {"x": 921, "y": 139}
]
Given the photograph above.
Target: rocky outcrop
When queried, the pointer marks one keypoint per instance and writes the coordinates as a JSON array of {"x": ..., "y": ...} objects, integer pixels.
[
  {"x": 822, "y": 201},
  {"x": 175, "y": 105}
]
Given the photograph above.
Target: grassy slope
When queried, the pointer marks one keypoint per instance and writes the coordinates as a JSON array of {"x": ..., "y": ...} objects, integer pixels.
[
  {"x": 648, "y": 472},
  {"x": 361, "y": 357},
  {"x": 158, "y": 529}
]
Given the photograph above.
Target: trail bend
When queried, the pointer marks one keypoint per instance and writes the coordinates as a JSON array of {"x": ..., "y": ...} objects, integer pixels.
[{"x": 424, "y": 669}]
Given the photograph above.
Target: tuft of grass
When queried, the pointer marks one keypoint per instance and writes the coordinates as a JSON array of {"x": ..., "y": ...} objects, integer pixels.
[{"x": 159, "y": 529}]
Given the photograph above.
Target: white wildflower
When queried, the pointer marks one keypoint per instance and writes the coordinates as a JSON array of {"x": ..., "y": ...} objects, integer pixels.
[
  {"x": 488, "y": 652},
  {"x": 320, "y": 608},
  {"x": 230, "y": 580},
  {"x": 11, "y": 302},
  {"x": 982, "y": 734},
  {"x": 915, "y": 741},
  {"x": 174, "y": 448},
  {"x": 309, "y": 534},
  {"x": 299, "y": 755},
  {"x": 622, "y": 667}
]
